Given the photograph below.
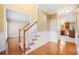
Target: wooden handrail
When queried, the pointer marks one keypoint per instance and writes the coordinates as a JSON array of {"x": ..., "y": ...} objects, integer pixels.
[
  {"x": 19, "y": 40},
  {"x": 19, "y": 34},
  {"x": 24, "y": 27},
  {"x": 24, "y": 42},
  {"x": 30, "y": 26}
]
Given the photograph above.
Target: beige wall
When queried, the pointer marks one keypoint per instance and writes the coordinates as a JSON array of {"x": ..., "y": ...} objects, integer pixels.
[
  {"x": 46, "y": 22},
  {"x": 28, "y": 9},
  {"x": 1, "y": 18},
  {"x": 53, "y": 22},
  {"x": 53, "y": 16},
  {"x": 43, "y": 21}
]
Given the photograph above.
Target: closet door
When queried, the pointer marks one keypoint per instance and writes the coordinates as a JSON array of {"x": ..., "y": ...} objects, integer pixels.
[{"x": 1, "y": 18}]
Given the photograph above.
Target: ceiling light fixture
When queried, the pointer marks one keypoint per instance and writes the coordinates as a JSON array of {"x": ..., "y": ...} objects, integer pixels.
[{"x": 67, "y": 10}]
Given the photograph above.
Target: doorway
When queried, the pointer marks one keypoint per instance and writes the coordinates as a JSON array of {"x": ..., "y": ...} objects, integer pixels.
[{"x": 68, "y": 25}]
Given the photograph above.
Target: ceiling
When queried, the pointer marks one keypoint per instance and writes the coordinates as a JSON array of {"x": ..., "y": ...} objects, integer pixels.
[{"x": 52, "y": 8}]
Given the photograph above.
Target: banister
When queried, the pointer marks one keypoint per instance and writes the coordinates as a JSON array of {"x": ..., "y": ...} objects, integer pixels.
[
  {"x": 24, "y": 41},
  {"x": 25, "y": 35},
  {"x": 30, "y": 26},
  {"x": 19, "y": 35},
  {"x": 24, "y": 27}
]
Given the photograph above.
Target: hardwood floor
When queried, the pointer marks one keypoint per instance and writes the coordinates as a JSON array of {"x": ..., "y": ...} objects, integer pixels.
[
  {"x": 51, "y": 48},
  {"x": 3, "y": 52},
  {"x": 13, "y": 48},
  {"x": 55, "y": 49}
]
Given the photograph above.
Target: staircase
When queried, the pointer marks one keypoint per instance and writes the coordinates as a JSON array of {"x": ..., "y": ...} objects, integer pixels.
[{"x": 30, "y": 36}]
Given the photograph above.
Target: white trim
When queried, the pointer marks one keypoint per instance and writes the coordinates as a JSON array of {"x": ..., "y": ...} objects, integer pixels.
[
  {"x": 6, "y": 21},
  {"x": 6, "y": 29}
]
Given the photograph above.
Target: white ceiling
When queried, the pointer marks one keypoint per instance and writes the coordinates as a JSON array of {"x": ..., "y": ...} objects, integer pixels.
[{"x": 52, "y": 8}]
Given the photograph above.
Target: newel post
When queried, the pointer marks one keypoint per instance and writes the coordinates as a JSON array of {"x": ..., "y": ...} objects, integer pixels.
[
  {"x": 19, "y": 39},
  {"x": 24, "y": 41}
]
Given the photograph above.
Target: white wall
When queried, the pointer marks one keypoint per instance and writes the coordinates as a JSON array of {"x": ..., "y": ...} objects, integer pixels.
[
  {"x": 13, "y": 27},
  {"x": 53, "y": 35},
  {"x": 53, "y": 25}
]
